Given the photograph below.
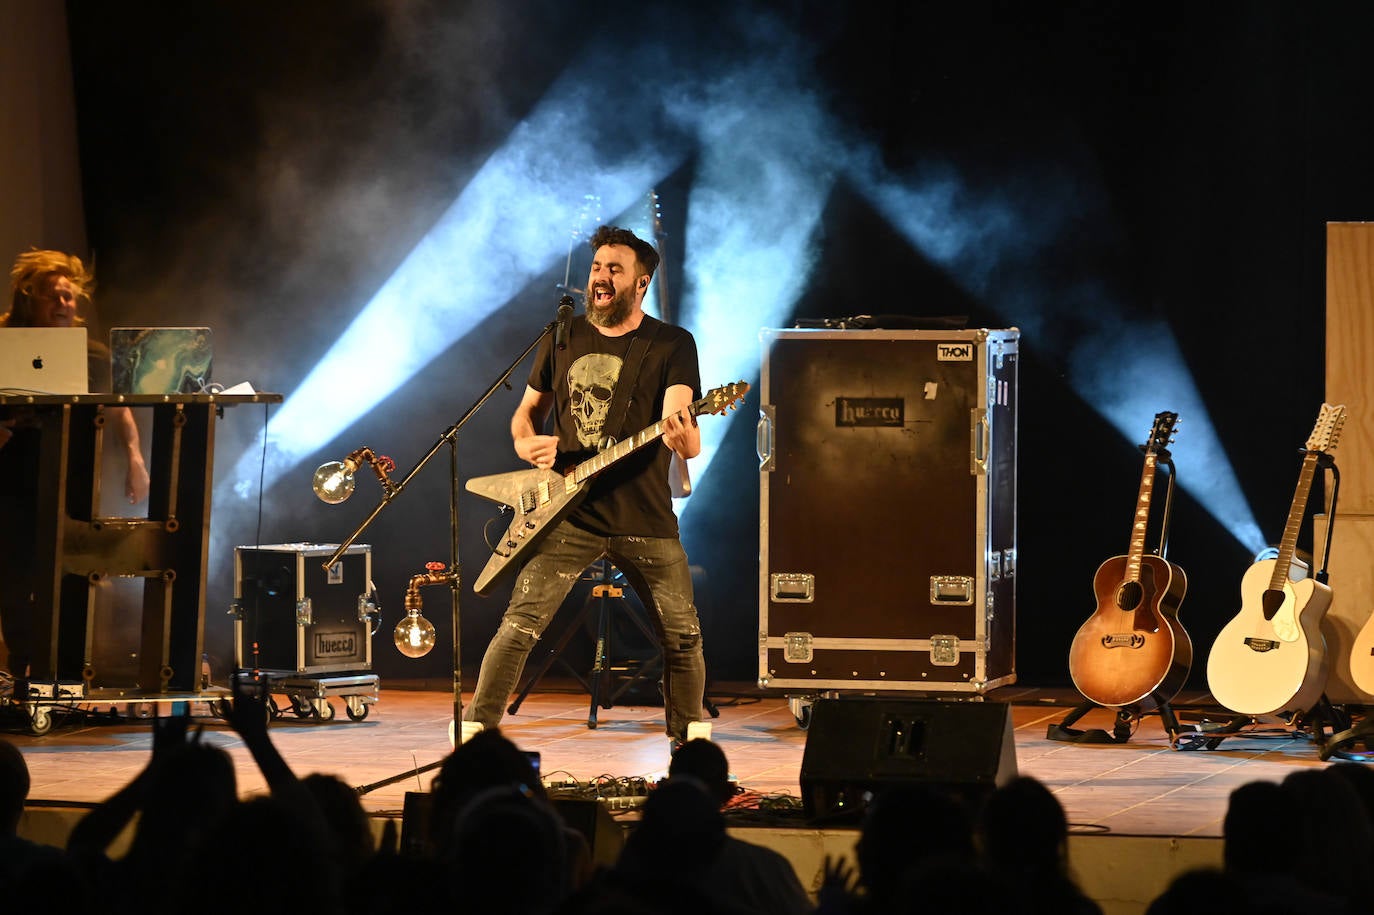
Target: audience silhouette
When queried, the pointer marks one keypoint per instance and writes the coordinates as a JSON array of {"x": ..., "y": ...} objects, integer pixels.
[
  {"x": 912, "y": 839},
  {"x": 1024, "y": 836},
  {"x": 756, "y": 877},
  {"x": 176, "y": 804},
  {"x": 494, "y": 842},
  {"x": 29, "y": 870},
  {"x": 662, "y": 868},
  {"x": 490, "y": 760}
]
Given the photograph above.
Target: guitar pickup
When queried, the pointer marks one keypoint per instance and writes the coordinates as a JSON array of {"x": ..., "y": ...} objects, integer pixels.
[{"x": 1255, "y": 644}]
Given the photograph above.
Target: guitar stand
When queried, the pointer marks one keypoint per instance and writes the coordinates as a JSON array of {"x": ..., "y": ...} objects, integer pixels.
[
  {"x": 1342, "y": 743},
  {"x": 599, "y": 684},
  {"x": 1325, "y": 721},
  {"x": 1121, "y": 729},
  {"x": 1329, "y": 725},
  {"x": 602, "y": 689}
]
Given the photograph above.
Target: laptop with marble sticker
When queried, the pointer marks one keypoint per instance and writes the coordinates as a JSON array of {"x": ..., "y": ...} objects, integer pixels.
[{"x": 160, "y": 360}]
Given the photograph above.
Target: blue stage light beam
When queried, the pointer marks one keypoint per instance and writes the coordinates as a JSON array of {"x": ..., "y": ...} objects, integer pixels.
[
  {"x": 479, "y": 254},
  {"x": 764, "y": 171},
  {"x": 1130, "y": 391},
  {"x": 997, "y": 247}
]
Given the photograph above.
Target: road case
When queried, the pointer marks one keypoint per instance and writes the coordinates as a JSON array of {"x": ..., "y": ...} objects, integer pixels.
[
  {"x": 887, "y": 510},
  {"x": 292, "y": 616}
]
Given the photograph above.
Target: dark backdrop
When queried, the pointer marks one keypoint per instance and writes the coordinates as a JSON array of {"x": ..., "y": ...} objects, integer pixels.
[{"x": 1224, "y": 135}]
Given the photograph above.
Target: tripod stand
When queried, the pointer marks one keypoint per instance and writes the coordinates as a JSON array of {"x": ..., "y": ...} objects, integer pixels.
[{"x": 600, "y": 684}]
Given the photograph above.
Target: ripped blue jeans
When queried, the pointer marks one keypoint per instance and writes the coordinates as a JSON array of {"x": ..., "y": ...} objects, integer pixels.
[{"x": 655, "y": 567}]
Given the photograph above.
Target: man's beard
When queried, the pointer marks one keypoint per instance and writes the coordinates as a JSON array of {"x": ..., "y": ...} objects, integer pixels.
[{"x": 613, "y": 312}]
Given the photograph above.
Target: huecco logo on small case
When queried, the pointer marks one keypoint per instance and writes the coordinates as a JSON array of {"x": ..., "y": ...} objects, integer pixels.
[
  {"x": 870, "y": 411},
  {"x": 954, "y": 352},
  {"x": 335, "y": 644}
]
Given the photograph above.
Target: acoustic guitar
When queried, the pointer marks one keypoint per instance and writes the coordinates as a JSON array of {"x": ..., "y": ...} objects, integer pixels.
[
  {"x": 1133, "y": 651},
  {"x": 541, "y": 498},
  {"x": 1271, "y": 656},
  {"x": 1362, "y": 658}
]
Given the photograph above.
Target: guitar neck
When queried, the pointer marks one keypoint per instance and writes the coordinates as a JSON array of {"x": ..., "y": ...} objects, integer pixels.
[
  {"x": 1142, "y": 519},
  {"x": 592, "y": 466},
  {"x": 665, "y": 310},
  {"x": 1288, "y": 546}
]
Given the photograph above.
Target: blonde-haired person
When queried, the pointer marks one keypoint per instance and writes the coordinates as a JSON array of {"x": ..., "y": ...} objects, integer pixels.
[{"x": 46, "y": 290}]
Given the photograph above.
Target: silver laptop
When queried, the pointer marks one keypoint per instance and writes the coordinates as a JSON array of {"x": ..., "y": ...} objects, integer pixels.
[
  {"x": 160, "y": 360},
  {"x": 43, "y": 360}
]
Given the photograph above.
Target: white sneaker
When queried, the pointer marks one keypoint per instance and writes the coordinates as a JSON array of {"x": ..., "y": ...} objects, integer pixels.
[{"x": 470, "y": 729}]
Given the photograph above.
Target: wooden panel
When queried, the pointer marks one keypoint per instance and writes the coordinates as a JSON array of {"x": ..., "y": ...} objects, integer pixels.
[
  {"x": 1350, "y": 355},
  {"x": 1352, "y": 596},
  {"x": 1350, "y": 380}
]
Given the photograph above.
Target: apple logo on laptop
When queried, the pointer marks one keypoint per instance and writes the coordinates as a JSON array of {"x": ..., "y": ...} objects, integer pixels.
[{"x": 38, "y": 362}]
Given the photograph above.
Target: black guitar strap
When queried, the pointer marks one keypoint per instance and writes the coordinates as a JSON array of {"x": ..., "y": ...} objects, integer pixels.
[{"x": 629, "y": 376}]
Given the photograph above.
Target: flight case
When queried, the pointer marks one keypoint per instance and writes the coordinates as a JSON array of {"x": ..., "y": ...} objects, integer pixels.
[
  {"x": 887, "y": 510},
  {"x": 306, "y": 631}
]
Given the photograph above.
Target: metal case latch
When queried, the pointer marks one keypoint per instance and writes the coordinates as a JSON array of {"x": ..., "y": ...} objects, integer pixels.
[
  {"x": 305, "y": 612},
  {"x": 797, "y": 647},
  {"x": 367, "y": 607},
  {"x": 944, "y": 650}
]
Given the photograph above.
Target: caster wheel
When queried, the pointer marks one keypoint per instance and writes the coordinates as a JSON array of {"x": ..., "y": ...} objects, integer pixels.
[
  {"x": 40, "y": 722},
  {"x": 355, "y": 708}
]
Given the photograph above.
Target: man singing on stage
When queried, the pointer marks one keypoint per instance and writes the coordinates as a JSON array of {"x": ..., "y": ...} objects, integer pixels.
[{"x": 611, "y": 373}]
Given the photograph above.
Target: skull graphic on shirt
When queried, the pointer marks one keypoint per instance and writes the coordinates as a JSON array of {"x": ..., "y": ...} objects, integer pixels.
[{"x": 591, "y": 381}]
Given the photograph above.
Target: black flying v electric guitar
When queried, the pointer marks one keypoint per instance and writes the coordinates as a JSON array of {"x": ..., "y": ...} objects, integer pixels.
[{"x": 541, "y": 498}]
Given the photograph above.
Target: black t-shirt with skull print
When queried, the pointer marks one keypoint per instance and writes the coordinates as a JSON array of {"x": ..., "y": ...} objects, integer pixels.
[{"x": 631, "y": 497}]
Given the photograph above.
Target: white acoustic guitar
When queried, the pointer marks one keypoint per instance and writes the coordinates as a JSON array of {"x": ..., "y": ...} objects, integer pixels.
[{"x": 1271, "y": 656}]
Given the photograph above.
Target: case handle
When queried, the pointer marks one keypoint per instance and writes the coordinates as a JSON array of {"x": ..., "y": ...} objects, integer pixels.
[
  {"x": 763, "y": 439},
  {"x": 979, "y": 443}
]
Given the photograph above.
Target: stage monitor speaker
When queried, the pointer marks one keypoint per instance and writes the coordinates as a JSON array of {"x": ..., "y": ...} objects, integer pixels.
[
  {"x": 589, "y": 816},
  {"x": 856, "y": 747}
]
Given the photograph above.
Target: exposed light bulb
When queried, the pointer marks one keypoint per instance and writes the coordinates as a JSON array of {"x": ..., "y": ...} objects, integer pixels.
[
  {"x": 333, "y": 482},
  {"x": 414, "y": 636}
]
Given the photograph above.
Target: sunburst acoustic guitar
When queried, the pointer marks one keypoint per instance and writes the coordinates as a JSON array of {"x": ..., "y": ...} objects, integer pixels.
[
  {"x": 1271, "y": 656},
  {"x": 1133, "y": 651}
]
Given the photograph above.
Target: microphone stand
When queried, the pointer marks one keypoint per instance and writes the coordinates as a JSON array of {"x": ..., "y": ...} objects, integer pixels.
[{"x": 449, "y": 437}]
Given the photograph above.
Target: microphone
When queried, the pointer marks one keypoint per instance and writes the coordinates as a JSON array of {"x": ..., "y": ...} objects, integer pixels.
[{"x": 565, "y": 312}]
